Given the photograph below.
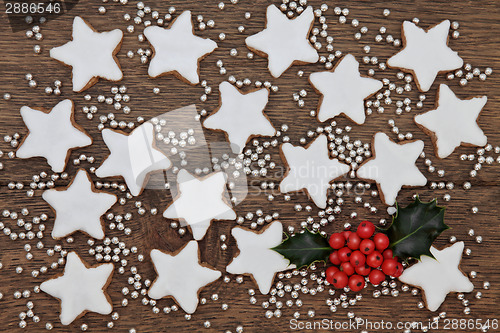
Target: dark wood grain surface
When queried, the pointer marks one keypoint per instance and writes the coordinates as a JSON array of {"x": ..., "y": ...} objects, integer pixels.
[{"x": 478, "y": 45}]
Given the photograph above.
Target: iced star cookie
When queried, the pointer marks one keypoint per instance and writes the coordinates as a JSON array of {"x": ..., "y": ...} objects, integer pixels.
[
  {"x": 393, "y": 166},
  {"x": 425, "y": 53},
  {"x": 52, "y": 135},
  {"x": 80, "y": 288},
  {"x": 200, "y": 201},
  {"x": 311, "y": 168},
  {"x": 181, "y": 275},
  {"x": 256, "y": 256},
  {"x": 241, "y": 116},
  {"x": 284, "y": 41},
  {"x": 79, "y": 207},
  {"x": 92, "y": 55},
  {"x": 177, "y": 50},
  {"x": 132, "y": 156},
  {"x": 343, "y": 90},
  {"x": 453, "y": 122},
  {"x": 440, "y": 276}
]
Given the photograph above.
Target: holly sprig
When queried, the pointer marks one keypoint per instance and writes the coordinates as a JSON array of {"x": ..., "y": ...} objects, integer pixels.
[
  {"x": 414, "y": 228},
  {"x": 411, "y": 234},
  {"x": 304, "y": 248}
]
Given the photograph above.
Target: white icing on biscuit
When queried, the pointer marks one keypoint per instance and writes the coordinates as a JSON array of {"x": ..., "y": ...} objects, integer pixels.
[
  {"x": 284, "y": 40},
  {"x": 132, "y": 157},
  {"x": 200, "y": 201},
  {"x": 240, "y": 115},
  {"x": 91, "y": 54},
  {"x": 178, "y": 49},
  {"x": 181, "y": 276},
  {"x": 80, "y": 288},
  {"x": 454, "y": 121},
  {"x": 426, "y": 53},
  {"x": 393, "y": 166},
  {"x": 256, "y": 256},
  {"x": 79, "y": 207},
  {"x": 52, "y": 135},
  {"x": 311, "y": 169},
  {"x": 438, "y": 277},
  {"x": 344, "y": 90}
]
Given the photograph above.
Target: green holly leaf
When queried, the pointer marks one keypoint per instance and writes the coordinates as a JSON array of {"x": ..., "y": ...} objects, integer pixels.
[
  {"x": 414, "y": 228},
  {"x": 304, "y": 248}
]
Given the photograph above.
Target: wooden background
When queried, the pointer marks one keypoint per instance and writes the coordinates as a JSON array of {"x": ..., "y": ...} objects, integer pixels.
[{"x": 478, "y": 45}]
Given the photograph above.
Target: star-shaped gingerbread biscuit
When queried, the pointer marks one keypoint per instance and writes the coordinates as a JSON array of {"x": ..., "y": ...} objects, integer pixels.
[
  {"x": 133, "y": 156},
  {"x": 92, "y": 55},
  {"x": 52, "y": 135},
  {"x": 343, "y": 90},
  {"x": 80, "y": 289},
  {"x": 425, "y": 53},
  {"x": 200, "y": 201},
  {"x": 284, "y": 41},
  {"x": 240, "y": 116},
  {"x": 440, "y": 276},
  {"x": 311, "y": 169},
  {"x": 393, "y": 166},
  {"x": 181, "y": 275},
  {"x": 177, "y": 49},
  {"x": 453, "y": 122},
  {"x": 256, "y": 256},
  {"x": 79, "y": 207}
]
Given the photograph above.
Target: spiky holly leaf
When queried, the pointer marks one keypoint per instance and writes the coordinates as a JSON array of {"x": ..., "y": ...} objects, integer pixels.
[
  {"x": 305, "y": 248},
  {"x": 414, "y": 228}
]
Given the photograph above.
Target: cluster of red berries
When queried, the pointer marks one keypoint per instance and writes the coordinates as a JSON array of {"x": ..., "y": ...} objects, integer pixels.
[{"x": 356, "y": 256}]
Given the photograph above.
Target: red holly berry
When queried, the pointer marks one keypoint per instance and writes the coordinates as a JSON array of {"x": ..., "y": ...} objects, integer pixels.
[
  {"x": 340, "y": 280},
  {"x": 346, "y": 233},
  {"x": 374, "y": 259},
  {"x": 357, "y": 259},
  {"x": 353, "y": 241},
  {"x": 387, "y": 254},
  {"x": 356, "y": 283},
  {"x": 334, "y": 258},
  {"x": 347, "y": 267},
  {"x": 376, "y": 277},
  {"x": 390, "y": 266},
  {"x": 399, "y": 270},
  {"x": 363, "y": 270},
  {"x": 330, "y": 271},
  {"x": 344, "y": 254},
  {"x": 336, "y": 241},
  {"x": 381, "y": 241},
  {"x": 365, "y": 229},
  {"x": 367, "y": 246}
]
